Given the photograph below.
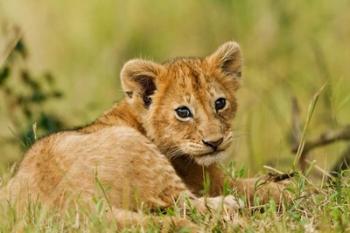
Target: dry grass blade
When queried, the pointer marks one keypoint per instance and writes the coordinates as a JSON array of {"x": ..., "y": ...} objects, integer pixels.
[{"x": 310, "y": 112}]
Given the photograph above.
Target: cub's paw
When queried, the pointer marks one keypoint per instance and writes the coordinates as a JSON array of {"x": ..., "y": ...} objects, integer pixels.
[
  {"x": 220, "y": 203},
  {"x": 261, "y": 190}
]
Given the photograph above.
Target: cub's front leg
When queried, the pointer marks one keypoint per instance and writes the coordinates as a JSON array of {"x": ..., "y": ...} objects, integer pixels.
[
  {"x": 253, "y": 189},
  {"x": 193, "y": 176}
]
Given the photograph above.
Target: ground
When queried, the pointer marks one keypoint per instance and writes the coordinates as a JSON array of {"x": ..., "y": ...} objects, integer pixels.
[{"x": 315, "y": 207}]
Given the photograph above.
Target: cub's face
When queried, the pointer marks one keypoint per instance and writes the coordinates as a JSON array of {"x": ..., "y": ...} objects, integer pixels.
[{"x": 187, "y": 105}]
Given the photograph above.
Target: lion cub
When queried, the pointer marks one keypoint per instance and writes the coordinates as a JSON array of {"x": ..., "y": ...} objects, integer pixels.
[{"x": 152, "y": 147}]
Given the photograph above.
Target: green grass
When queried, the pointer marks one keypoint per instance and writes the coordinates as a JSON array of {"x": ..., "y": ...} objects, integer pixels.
[
  {"x": 323, "y": 207},
  {"x": 290, "y": 48}
]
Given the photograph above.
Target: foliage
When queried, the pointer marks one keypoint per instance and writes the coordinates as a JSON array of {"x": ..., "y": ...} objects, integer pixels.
[
  {"x": 290, "y": 48},
  {"x": 25, "y": 100}
]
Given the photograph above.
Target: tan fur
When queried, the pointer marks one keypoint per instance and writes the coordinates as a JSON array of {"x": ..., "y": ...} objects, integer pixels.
[{"x": 139, "y": 150}]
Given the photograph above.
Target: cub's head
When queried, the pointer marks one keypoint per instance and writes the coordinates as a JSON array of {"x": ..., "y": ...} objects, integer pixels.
[{"x": 186, "y": 105}]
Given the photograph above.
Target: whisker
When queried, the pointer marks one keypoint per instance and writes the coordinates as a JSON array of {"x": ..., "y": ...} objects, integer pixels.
[{"x": 173, "y": 153}]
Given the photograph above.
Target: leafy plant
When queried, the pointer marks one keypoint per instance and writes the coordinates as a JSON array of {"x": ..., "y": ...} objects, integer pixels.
[{"x": 25, "y": 96}]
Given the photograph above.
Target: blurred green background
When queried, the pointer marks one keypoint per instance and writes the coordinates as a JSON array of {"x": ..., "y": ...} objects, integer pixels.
[{"x": 291, "y": 48}]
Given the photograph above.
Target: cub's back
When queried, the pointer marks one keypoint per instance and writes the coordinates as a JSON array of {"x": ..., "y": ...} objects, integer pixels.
[{"x": 67, "y": 164}]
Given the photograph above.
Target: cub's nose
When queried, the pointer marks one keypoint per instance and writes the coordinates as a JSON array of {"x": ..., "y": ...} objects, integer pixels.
[{"x": 213, "y": 143}]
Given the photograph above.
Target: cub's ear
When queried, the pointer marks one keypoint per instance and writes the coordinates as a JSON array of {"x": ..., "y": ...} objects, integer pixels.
[
  {"x": 228, "y": 58},
  {"x": 138, "y": 79}
]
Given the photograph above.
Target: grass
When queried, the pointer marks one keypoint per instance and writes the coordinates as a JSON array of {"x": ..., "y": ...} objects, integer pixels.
[
  {"x": 309, "y": 115},
  {"x": 290, "y": 48},
  {"x": 323, "y": 207}
]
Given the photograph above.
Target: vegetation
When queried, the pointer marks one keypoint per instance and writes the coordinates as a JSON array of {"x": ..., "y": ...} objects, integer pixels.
[
  {"x": 291, "y": 50},
  {"x": 24, "y": 100}
]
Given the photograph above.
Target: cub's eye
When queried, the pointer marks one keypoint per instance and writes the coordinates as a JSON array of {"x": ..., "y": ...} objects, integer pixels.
[
  {"x": 183, "y": 112},
  {"x": 220, "y": 104}
]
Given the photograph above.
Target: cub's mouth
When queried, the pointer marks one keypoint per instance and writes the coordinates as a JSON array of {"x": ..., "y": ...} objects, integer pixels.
[
  {"x": 202, "y": 154},
  {"x": 209, "y": 158},
  {"x": 213, "y": 153}
]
